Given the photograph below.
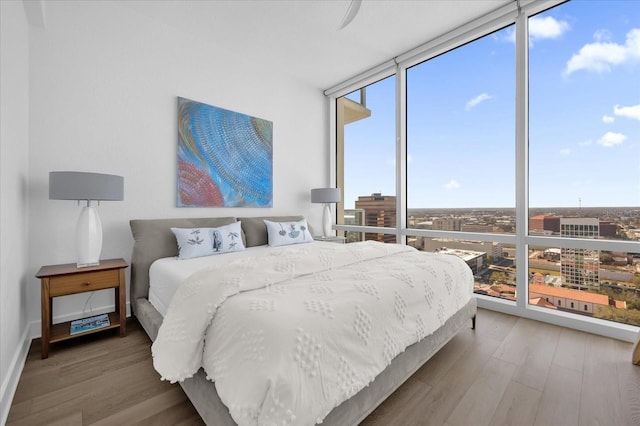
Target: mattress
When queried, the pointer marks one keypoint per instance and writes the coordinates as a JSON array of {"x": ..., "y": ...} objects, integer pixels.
[{"x": 166, "y": 274}]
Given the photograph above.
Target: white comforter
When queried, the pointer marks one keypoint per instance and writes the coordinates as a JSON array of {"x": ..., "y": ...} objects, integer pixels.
[{"x": 290, "y": 335}]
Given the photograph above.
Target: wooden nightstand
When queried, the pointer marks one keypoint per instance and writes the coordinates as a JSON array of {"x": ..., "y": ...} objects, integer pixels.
[
  {"x": 331, "y": 239},
  {"x": 62, "y": 280}
]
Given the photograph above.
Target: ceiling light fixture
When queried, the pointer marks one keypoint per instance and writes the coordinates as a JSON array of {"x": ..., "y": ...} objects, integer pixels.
[{"x": 352, "y": 11}]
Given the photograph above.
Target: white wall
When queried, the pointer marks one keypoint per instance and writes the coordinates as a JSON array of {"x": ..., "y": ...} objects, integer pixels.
[
  {"x": 14, "y": 231},
  {"x": 102, "y": 88}
]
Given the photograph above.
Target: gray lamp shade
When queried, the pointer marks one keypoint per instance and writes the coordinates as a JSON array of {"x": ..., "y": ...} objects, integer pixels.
[
  {"x": 85, "y": 186},
  {"x": 325, "y": 195}
]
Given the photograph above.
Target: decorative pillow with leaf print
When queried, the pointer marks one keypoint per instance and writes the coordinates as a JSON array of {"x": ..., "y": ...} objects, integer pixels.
[
  {"x": 198, "y": 242},
  {"x": 283, "y": 233}
]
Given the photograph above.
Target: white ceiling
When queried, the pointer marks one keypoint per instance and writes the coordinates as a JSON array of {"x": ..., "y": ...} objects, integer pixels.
[{"x": 301, "y": 37}]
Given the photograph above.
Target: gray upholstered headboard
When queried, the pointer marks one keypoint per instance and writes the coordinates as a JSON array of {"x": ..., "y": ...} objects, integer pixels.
[{"x": 153, "y": 240}]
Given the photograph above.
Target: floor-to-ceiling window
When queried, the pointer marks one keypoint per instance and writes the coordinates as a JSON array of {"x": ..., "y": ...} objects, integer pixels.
[
  {"x": 584, "y": 157},
  {"x": 518, "y": 149},
  {"x": 460, "y": 157},
  {"x": 367, "y": 145}
]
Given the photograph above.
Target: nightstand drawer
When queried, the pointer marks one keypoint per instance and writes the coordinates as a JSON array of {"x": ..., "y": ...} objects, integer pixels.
[{"x": 78, "y": 283}]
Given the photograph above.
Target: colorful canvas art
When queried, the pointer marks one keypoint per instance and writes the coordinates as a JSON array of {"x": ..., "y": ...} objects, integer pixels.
[{"x": 225, "y": 159}]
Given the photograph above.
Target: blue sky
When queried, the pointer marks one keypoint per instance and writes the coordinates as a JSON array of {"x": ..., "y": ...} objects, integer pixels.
[{"x": 584, "y": 108}]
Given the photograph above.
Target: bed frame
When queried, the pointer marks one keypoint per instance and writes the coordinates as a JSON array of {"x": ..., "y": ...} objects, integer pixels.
[{"x": 154, "y": 240}]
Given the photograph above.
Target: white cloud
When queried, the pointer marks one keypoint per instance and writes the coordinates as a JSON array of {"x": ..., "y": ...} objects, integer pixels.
[
  {"x": 451, "y": 185},
  {"x": 585, "y": 143},
  {"x": 541, "y": 29},
  {"x": 547, "y": 27},
  {"x": 629, "y": 112},
  {"x": 475, "y": 101},
  {"x": 565, "y": 151},
  {"x": 610, "y": 139},
  {"x": 608, "y": 119},
  {"x": 602, "y": 35},
  {"x": 601, "y": 56}
]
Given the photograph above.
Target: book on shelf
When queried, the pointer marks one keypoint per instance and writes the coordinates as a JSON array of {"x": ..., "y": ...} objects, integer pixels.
[{"x": 90, "y": 323}]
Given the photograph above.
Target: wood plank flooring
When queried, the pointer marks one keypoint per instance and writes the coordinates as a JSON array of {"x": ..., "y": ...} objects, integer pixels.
[{"x": 510, "y": 371}]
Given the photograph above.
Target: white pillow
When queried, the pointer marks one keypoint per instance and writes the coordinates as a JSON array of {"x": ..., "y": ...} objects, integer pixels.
[
  {"x": 198, "y": 242},
  {"x": 283, "y": 233}
]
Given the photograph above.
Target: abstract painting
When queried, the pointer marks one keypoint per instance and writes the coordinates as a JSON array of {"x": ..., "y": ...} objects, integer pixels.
[{"x": 225, "y": 159}]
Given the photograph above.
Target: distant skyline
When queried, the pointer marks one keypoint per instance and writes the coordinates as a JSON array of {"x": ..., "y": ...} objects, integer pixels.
[{"x": 584, "y": 109}]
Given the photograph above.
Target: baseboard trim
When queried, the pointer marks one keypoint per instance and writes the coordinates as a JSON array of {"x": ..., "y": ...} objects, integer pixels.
[
  {"x": 10, "y": 384},
  {"x": 33, "y": 330}
]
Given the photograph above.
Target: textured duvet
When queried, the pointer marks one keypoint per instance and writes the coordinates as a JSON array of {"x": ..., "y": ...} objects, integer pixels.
[{"x": 289, "y": 335}]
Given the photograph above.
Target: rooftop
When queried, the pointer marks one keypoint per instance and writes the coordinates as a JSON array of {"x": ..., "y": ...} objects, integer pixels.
[{"x": 567, "y": 293}]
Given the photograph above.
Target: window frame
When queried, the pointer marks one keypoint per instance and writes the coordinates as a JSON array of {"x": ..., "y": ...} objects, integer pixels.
[{"x": 517, "y": 13}]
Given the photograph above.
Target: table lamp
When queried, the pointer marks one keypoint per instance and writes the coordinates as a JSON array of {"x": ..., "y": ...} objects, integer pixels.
[
  {"x": 326, "y": 196},
  {"x": 84, "y": 186}
]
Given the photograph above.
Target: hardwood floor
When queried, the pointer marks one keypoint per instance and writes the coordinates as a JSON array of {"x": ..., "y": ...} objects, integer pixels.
[
  {"x": 100, "y": 379},
  {"x": 514, "y": 371},
  {"x": 510, "y": 371}
]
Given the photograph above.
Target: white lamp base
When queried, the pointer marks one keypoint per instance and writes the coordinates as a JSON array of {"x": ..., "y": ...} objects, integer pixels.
[
  {"x": 88, "y": 237},
  {"x": 326, "y": 221}
]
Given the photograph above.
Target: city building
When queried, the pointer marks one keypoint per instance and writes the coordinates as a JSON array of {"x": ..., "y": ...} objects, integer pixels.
[
  {"x": 476, "y": 260},
  {"x": 354, "y": 217},
  {"x": 607, "y": 229},
  {"x": 580, "y": 268},
  {"x": 476, "y": 227},
  {"x": 493, "y": 249},
  {"x": 553, "y": 254},
  {"x": 541, "y": 223},
  {"x": 571, "y": 300},
  {"x": 446, "y": 224},
  {"x": 425, "y": 224},
  {"x": 633, "y": 234},
  {"x": 379, "y": 210}
]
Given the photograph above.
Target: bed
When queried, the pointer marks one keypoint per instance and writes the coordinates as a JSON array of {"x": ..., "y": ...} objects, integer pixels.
[{"x": 154, "y": 241}]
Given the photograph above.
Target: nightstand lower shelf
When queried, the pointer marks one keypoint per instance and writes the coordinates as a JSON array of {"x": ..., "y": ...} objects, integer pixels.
[{"x": 61, "y": 331}]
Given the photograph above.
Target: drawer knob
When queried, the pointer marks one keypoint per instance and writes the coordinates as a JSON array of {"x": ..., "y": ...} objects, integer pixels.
[{"x": 86, "y": 283}]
